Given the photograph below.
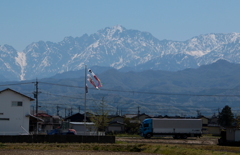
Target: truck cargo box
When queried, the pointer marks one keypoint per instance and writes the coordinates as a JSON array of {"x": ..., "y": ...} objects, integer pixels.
[{"x": 178, "y": 128}]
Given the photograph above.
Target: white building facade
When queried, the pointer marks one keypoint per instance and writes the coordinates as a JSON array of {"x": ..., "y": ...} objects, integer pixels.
[
  {"x": 14, "y": 112},
  {"x": 85, "y": 128}
]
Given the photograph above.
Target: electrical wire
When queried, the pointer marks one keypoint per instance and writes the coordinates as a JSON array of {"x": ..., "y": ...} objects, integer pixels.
[
  {"x": 152, "y": 93},
  {"x": 127, "y": 91},
  {"x": 16, "y": 84}
]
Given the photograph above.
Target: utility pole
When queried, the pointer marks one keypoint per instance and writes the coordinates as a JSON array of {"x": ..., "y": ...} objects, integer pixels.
[
  {"x": 65, "y": 112},
  {"x": 117, "y": 113},
  {"x": 36, "y": 96},
  {"x": 138, "y": 112},
  {"x": 69, "y": 111},
  {"x": 57, "y": 110}
]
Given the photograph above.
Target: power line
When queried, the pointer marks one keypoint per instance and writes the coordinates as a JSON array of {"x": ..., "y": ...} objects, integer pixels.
[
  {"x": 47, "y": 93},
  {"x": 16, "y": 84},
  {"x": 169, "y": 108},
  {"x": 149, "y": 105},
  {"x": 127, "y": 91},
  {"x": 60, "y": 85},
  {"x": 169, "y": 111},
  {"x": 133, "y": 92},
  {"x": 174, "y": 107},
  {"x": 130, "y": 91},
  {"x": 139, "y": 92}
]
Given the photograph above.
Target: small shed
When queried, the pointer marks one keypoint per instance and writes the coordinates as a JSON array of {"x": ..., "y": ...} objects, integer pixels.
[
  {"x": 84, "y": 128},
  {"x": 233, "y": 134}
]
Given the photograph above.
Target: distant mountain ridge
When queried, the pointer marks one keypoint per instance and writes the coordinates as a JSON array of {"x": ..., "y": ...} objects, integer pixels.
[
  {"x": 205, "y": 88},
  {"x": 119, "y": 48}
]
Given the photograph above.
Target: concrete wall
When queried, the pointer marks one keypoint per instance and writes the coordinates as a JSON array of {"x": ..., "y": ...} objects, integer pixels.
[
  {"x": 56, "y": 139},
  {"x": 15, "y": 122}
]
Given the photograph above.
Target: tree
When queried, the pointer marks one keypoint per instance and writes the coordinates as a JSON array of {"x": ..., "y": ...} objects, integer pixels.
[
  {"x": 131, "y": 128},
  {"x": 238, "y": 121},
  {"x": 100, "y": 117},
  {"x": 226, "y": 117}
]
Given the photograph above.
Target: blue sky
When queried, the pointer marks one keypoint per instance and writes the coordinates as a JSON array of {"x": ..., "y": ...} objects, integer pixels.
[{"x": 27, "y": 21}]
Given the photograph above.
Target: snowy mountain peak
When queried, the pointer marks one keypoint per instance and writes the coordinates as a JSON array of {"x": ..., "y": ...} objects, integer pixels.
[
  {"x": 7, "y": 49},
  {"x": 117, "y": 47},
  {"x": 68, "y": 39},
  {"x": 119, "y": 28},
  {"x": 111, "y": 32}
]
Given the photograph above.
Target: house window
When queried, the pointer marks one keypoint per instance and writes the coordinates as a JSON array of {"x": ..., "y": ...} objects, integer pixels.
[
  {"x": 4, "y": 119},
  {"x": 17, "y": 103}
]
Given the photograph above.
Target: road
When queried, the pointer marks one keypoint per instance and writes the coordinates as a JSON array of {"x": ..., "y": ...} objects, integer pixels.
[{"x": 169, "y": 140}]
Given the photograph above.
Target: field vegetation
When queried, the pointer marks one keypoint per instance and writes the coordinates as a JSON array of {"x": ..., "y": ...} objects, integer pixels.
[{"x": 131, "y": 145}]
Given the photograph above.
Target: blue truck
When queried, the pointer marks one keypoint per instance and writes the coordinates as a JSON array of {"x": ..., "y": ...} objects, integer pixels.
[{"x": 177, "y": 128}]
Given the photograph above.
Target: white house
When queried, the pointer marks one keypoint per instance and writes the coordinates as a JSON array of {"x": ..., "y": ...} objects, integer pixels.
[{"x": 14, "y": 112}]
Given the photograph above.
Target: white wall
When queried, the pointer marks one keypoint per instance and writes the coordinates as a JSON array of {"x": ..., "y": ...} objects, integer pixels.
[
  {"x": 82, "y": 127},
  {"x": 89, "y": 129},
  {"x": 16, "y": 114}
]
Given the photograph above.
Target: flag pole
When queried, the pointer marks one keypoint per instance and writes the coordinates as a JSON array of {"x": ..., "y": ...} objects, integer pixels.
[{"x": 85, "y": 92}]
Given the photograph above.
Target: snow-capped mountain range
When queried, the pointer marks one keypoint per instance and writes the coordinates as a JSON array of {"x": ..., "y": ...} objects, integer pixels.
[{"x": 119, "y": 48}]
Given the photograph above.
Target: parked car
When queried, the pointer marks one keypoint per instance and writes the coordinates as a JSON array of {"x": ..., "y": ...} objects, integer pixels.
[{"x": 60, "y": 132}]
